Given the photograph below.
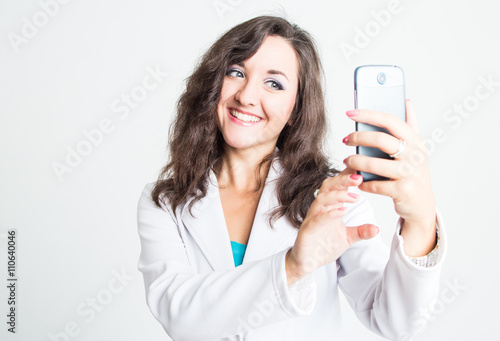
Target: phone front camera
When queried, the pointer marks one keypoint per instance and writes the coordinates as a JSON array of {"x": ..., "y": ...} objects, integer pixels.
[{"x": 381, "y": 78}]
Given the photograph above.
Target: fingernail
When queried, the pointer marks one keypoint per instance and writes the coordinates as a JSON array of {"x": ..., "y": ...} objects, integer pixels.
[
  {"x": 353, "y": 195},
  {"x": 343, "y": 208},
  {"x": 345, "y": 139},
  {"x": 345, "y": 161},
  {"x": 355, "y": 176},
  {"x": 352, "y": 113}
]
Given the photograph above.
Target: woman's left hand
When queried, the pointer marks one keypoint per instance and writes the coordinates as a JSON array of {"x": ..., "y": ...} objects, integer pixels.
[{"x": 409, "y": 185}]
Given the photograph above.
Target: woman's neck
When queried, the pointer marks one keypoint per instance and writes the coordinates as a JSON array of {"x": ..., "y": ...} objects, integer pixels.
[{"x": 239, "y": 171}]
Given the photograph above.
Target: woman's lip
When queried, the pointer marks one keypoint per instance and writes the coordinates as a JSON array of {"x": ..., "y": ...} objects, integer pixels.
[
  {"x": 244, "y": 112},
  {"x": 240, "y": 122}
]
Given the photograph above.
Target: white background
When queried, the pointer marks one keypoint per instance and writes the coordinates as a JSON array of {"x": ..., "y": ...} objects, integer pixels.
[{"x": 76, "y": 231}]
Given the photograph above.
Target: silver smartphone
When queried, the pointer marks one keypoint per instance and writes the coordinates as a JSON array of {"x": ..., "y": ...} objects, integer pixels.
[{"x": 379, "y": 88}]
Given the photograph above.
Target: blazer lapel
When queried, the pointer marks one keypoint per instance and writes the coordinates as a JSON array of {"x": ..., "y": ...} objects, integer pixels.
[
  {"x": 265, "y": 241},
  {"x": 208, "y": 227}
]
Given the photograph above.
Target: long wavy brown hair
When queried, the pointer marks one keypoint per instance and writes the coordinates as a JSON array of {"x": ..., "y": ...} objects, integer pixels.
[{"x": 196, "y": 144}]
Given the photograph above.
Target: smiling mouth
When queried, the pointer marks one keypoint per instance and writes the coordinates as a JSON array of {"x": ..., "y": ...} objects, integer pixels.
[{"x": 243, "y": 117}]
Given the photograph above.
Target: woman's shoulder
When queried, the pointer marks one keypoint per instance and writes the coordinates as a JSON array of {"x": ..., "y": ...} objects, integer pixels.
[
  {"x": 147, "y": 203},
  {"x": 147, "y": 191}
]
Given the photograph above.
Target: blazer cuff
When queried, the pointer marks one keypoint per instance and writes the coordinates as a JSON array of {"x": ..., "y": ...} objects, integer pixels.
[{"x": 299, "y": 298}]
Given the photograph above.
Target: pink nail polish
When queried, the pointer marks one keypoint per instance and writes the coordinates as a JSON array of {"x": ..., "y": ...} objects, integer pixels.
[
  {"x": 352, "y": 113},
  {"x": 353, "y": 195},
  {"x": 345, "y": 139},
  {"x": 345, "y": 161},
  {"x": 355, "y": 176}
]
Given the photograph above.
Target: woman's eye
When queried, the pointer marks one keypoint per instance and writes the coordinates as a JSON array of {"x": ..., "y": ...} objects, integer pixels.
[
  {"x": 235, "y": 73},
  {"x": 275, "y": 85}
]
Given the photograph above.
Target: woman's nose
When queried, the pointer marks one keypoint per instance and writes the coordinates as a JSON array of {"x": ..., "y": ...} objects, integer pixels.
[{"x": 248, "y": 93}]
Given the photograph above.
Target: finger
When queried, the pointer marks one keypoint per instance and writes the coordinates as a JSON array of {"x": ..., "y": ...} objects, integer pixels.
[
  {"x": 337, "y": 212},
  {"x": 326, "y": 217},
  {"x": 342, "y": 181},
  {"x": 411, "y": 118},
  {"x": 335, "y": 197},
  {"x": 385, "y": 120},
  {"x": 383, "y": 141},
  {"x": 356, "y": 233},
  {"x": 387, "y": 168},
  {"x": 332, "y": 200},
  {"x": 387, "y": 188}
]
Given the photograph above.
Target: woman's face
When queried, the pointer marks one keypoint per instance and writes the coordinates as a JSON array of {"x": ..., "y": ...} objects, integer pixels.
[{"x": 258, "y": 96}]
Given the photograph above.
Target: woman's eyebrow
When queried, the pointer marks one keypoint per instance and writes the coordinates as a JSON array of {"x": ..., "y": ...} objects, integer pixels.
[
  {"x": 277, "y": 72},
  {"x": 271, "y": 72}
]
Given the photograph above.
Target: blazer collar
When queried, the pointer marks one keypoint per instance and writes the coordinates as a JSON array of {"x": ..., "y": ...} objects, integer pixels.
[{"x": 208, "y": 228}]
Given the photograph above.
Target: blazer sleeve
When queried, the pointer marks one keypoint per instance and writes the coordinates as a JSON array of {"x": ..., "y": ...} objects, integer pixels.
[
  {"x": 213, "y": 304},
  {"x": 384, "y": 287}
]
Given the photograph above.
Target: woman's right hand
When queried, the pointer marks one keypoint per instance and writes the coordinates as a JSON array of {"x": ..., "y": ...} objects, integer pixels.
[{"x": 323, "y": 237}]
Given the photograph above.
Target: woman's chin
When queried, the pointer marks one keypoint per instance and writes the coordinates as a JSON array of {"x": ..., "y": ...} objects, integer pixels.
[
  {"x": 239, "y": 145},
  {"x": 256, "y": 147}
]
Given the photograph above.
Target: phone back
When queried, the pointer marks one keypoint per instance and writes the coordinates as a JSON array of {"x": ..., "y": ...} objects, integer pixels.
[{"x": 379, "y": 88}]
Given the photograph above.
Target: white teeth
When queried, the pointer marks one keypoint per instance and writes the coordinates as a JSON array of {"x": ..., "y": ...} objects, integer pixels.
[{"x": 244, "y": 117}]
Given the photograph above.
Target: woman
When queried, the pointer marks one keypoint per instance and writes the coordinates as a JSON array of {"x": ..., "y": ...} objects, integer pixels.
[{"x": 247, "y": 176}]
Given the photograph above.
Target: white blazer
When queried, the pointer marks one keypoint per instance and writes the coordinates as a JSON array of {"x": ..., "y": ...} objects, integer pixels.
[{"x": 196, "y": 293}]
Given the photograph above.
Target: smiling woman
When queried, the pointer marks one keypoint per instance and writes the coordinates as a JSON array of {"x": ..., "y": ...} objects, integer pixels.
[
  {"x": 249, "y": 227},
  {"x": 247, "y": 81},
  {"x": 258, "y": 96}
]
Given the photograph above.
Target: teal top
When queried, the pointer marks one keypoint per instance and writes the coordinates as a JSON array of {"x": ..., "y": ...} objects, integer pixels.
[{"x": 238, "y": 252}]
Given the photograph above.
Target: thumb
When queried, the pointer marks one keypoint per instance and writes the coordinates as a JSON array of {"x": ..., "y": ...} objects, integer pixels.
[{"x": 356, "y": 233}]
